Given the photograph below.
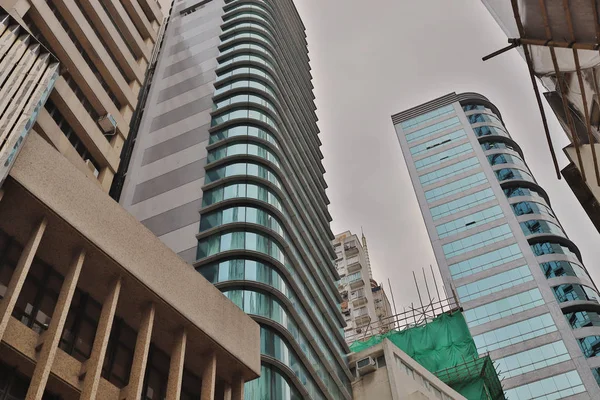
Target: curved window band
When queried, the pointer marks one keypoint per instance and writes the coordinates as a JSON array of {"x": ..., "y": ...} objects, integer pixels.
[
  {"x": 251, "y": 215},
  {"x": 540, "y": 249},
  {"x": 249, "y": 270},
  {"x": 261, "y": 243},
  {"x": 266, "y": 306},
  {"x": 241, "y": 190},
  {"x": 590, "y": 346},
  {"x": 532, "y": 207},
  {"x": 247, "y": 112},
  {"x": 275, "y": 346},
  {"x": 242, "y": 169},
  {"x": 249, "y": 6},
  {"x": 249, "y": 81},
  {"x": 247, "y": 34},
  {"x": 539, "y": 226},
  {"x": 246, "y": 58},
  {"x": 247, "y": 46},
  {"x": 555, "y": 269},
  {"x": 485, "y": 130},
  {"x": 523, "y": 191},
  {"x": 240, "y": 131},
  {"x": 249, "y": 25},
  {"x": 252, "y": 149},
  {"x": 478, "y": 118},
  {"x": 264, "y": 244},
  {"x": 504, "y": 158},
  {"x": 575, "y": 292},
  {"x": 582, "y": 319},
  {"x": 496, "y": 145},
  {"x": 506, "y": 174},
  {"x": 245, "y": 98},
  {"x": 271, "y": 383},
  {"x": 253, "y": 169}
]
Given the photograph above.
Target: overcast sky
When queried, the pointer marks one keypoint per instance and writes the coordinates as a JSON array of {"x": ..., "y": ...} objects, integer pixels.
[{"x": 372, "y": 59}]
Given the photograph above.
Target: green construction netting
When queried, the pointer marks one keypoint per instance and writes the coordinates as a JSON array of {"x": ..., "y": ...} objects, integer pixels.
[{"x": 445, "y": 347}]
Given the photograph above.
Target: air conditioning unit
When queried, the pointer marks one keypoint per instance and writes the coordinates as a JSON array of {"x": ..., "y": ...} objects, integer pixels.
[
  {"x": 365, "y": 366},
  {"x": 108, "y": 124}
]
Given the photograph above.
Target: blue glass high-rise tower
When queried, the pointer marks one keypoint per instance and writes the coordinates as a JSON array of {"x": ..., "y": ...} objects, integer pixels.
[
  {"x": 227, "y": 171},
  {"x": 528, "y": 299}
]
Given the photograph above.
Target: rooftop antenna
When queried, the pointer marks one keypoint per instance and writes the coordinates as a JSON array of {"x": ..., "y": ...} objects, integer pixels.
[{"x": 364, "y": 244}]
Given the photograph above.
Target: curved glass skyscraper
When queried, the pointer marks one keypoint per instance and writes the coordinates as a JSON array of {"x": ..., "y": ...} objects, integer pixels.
[
  {"x": 227, "y": 170},
  {"x": 527, "y": 296}
]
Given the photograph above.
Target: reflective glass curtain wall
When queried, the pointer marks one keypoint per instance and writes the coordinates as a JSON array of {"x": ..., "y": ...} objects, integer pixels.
[
  {"x": 264, "y": 235},
  {"x": 500, "y": 248}
]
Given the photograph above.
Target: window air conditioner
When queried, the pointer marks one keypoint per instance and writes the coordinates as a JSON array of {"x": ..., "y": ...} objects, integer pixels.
[
  {"x": 108, "y": 124},
  {"x": 365, "y": 366}
]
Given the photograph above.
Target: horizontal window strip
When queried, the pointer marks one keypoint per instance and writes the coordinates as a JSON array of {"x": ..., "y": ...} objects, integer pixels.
[
  {"x": 530, "y": 360},
  {"x": 432, "y": 129},
  {"x": 555, "y": 387},
  {"x": 449, "y": 171},
  {"x": 443, "y": 156},
  {"x": 485, "y": 261},
  {"x": 477, "y": 241},
  {"x": 464, "y": 203},
  {"x": 504, "y": 307},
  {"x": 455, "y": 187},
  {"x": 469, "y": 221},
  {"x": 446, "y": 110},
  {"x": 440, "y": 141},
  {"x": 494, "y": 283},
  {"x": 514, "y": 333}
]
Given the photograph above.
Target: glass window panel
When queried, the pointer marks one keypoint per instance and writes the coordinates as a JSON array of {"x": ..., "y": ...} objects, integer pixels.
[
  {"x": 440, "y": 141},
  {"x": 464, "y": 203},
  {"x": 504, "y": 307},
  {"x": 455, "y": 187},
  {"x": 479, "y": 118},
  {"x": 530, "y": 360},
  {"x": 574, "y": 292},
  {"x": 446, "y": 110},
  {"x": 451, "y": 170},
  {"x": 555, "y": 387},
  {"x": 469, "y": 221},
  {"x": 443, "y": 156},
  {"x": 581, "y": 319},
  {"x": 530, "y": 207},
  {"x": 539, "y": 226},
  {"x": 502, "y": 158},
  {"x": 477, "y": 241},
  {"x": 432, "y": 129},
  {"x": 514, "y": 333},
  {"x": 540, "y": 249},
  {"x": 485, "y": 130},
  {"x": 494, "y": 283},
  {"x": 590, "y": 346},
  {"x": 485, "y": 261},
  {"x": 506, "y": 174},
  {"x": 496, "y": 145}
]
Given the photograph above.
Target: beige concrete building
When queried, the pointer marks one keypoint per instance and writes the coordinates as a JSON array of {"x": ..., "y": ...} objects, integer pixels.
[
  {"x": 104, "y": 48},
  {"x": 94, "y": 306},
  {"x": 384, "y": 372},
  {"x": 365, "y": 305}
]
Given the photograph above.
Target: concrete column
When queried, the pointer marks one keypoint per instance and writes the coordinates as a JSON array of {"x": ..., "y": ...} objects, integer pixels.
[
  {"x": 176, "y": 367},
  {"x": 227, "y": 392},
  {"x": 7, "y": 304},
  {"x": 237, "y": 389},
  {"x": 105, "y": 178},
  {"x": 93, "y": 366},
  {"x": 49, "y": 340},
  {"x": 209, "y": 376},
  {"x": 133, "y": 391}
]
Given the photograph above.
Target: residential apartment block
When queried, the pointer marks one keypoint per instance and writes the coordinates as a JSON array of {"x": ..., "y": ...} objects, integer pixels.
[
  {"x": 104, "y": 48},
  {"x": 365, "y": 305}
]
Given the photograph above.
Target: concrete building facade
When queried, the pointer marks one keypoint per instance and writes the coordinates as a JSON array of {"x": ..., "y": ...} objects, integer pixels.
[
  {"x": 364, "y": 302},
  {"x": 528, "y": 299},
  {"x": 104, "y": 47},
  {"x": 395, "y": 376},
  {"x": 226, "y": 170},
  {"x": 94, "y": 306}
]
